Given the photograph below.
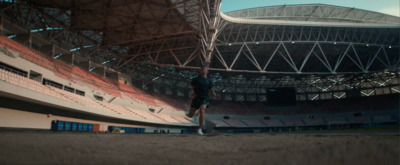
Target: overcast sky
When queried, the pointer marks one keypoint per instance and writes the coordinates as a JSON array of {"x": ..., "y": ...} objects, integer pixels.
[{"x": 383, "y": 6}]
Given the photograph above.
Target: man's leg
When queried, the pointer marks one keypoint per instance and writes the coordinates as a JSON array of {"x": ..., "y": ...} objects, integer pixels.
[
  {"x": 191, "y": 112},
  {"x": 201, "y": 118},
  {"x": 201, "y": 115}
]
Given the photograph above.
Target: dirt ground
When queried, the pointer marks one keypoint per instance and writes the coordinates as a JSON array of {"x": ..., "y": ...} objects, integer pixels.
[{"x": 94, "y": 148}]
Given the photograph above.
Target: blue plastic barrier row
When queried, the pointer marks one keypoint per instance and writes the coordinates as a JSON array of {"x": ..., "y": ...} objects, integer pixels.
[
  {"x": 127, "y": 129},
  {"x": 57, "y": 125}
]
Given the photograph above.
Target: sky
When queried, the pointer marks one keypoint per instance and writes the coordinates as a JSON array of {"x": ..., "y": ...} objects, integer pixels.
[{"x": 391, "y": 7}]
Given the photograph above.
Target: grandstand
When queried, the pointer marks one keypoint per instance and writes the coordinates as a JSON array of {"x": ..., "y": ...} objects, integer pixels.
[{"x": 60, "y": 64}]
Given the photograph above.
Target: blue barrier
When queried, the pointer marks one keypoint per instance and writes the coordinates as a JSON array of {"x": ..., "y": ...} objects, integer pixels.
[
  {"x": 184, "y": 131},
  {"x": 90, "y": 127},
  {"x": 130, "y": 130},
  {"x": 85, "y": 127},
  {"x": 80, "y": 126},
  {"x": 127, "y": 129},
  {"x": 60, "y": 126},
  {"x": 140, "y": 130},
  {"x": 111, "y": 128},
  {"x": 67, "y": 126},
  {"x": 74, "y": 127}
]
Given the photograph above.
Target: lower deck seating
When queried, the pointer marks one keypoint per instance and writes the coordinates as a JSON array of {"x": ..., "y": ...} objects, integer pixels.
[
  {"x": 138, "y": 94},
  {"x": 314, "y": 122},
  {"x": 160, "y": 101},
  {"x": 235, "y": 123},
  {"x": 273, "y": 123},
  {"x": 36, "y": 86},
  {"x": 384, "y": 119},
  {"x": 359, "y": 119},
  {"x": 27, "y": 54},
  {"x": 335, "y": 120},
  {"x": 219, "y": 123},
  {"x": 170, "y": 102},
  {"x": 253, "y": 123},
  {"x": 292, "y": 122}
]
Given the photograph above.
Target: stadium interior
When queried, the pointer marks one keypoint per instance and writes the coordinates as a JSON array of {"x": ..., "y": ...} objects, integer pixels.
[{"x": 126, "y": 66}]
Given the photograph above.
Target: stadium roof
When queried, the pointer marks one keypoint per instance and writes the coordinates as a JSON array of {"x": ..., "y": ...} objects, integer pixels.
[
  {"x": 316, "y": 48},
  {"x": 293, "y": 39},
  {"x": 187, "y": 33},
  {"x": 121, "y": 32},
  {"x": 313, "y": 15}
]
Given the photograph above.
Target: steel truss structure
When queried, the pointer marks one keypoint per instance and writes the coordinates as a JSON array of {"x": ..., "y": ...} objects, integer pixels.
[
  {"x": 321, "y": 50},
  {"x": 121, "y": 33},
  {"x": 299, "y": 50},
  {"x": 252, "y": 86}
]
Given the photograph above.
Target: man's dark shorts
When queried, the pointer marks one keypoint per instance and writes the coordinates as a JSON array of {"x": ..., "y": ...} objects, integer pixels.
[{"x": 198, "y": 101}]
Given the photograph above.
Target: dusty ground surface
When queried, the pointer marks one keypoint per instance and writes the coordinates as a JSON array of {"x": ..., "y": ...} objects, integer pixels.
[{"x": 91, "y": 148}]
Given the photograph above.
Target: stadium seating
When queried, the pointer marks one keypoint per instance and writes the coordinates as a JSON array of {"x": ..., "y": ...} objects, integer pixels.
[
  {"x": 228, "y": 107},
  {"x": 254, "y": 123},
  {"x": 181, "y": 119},
  {"x": 314, "y": 122},
  {"x": 138, "y": 94},
  {"x": 85, "y": 101},
  {"x": 160, "y": 102},
  {"x": 273, "y": 123},
  {"x": 143, "y": 115},
  {"x": 236, "y": 107},
  {"x": 171, "y": 119},
  {"x": 78, "y": 99},
  {"x": 219, "y": 123},
  {"x": 26, "y": 53},
  {"x": 169, "y": 102},
  {"x": 146, "y": 115},
  {"x": 61, "y": 69},
  {"x": 292, "y": 122},
  {"x": 23, "y": 82},
  {"x": 384, "y": 119},
  {"x": 337, "y": 121},
  {"x": 236, "y": 123},
  {"x": 259, "y": 109},
  {"x": 359, "y": 119}
]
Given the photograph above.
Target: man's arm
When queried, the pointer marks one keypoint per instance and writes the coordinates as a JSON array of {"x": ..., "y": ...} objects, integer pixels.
[
  {"x": 193, "y": 94},
  {"x": 214, "y": 94}
]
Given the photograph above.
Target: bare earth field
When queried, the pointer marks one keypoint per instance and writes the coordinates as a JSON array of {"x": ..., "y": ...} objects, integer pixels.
[{"x": 91, "y": 148}]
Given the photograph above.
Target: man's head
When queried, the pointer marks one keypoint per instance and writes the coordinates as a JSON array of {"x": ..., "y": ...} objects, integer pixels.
[{"x": 203, "y": 71}]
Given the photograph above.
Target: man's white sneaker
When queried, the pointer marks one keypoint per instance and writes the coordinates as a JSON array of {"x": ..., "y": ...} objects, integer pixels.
[
  {"x": 197, "y": 113},
  {"x": 199, "y": 131},
  {"x": 187, "y": 117}
]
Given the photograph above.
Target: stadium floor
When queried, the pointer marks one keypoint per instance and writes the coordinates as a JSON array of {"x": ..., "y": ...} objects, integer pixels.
[{"x": 30, "y": 147}]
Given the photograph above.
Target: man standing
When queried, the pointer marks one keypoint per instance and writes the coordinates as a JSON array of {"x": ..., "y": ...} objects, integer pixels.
[{"x": 201, "y": 86}]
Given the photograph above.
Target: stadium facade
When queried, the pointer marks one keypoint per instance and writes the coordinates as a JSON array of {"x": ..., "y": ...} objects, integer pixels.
[{"x": 129, "y": 58}]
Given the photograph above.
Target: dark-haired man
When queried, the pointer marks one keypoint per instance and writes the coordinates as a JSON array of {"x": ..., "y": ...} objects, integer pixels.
[{"x": 201, "y": 86}]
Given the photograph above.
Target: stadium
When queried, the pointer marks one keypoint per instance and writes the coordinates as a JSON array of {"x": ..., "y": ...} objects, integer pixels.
[{"x": 91, "y": 70}]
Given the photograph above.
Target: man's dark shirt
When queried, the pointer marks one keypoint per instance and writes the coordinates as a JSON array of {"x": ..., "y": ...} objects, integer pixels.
[{"x": 201, "y": 86}]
